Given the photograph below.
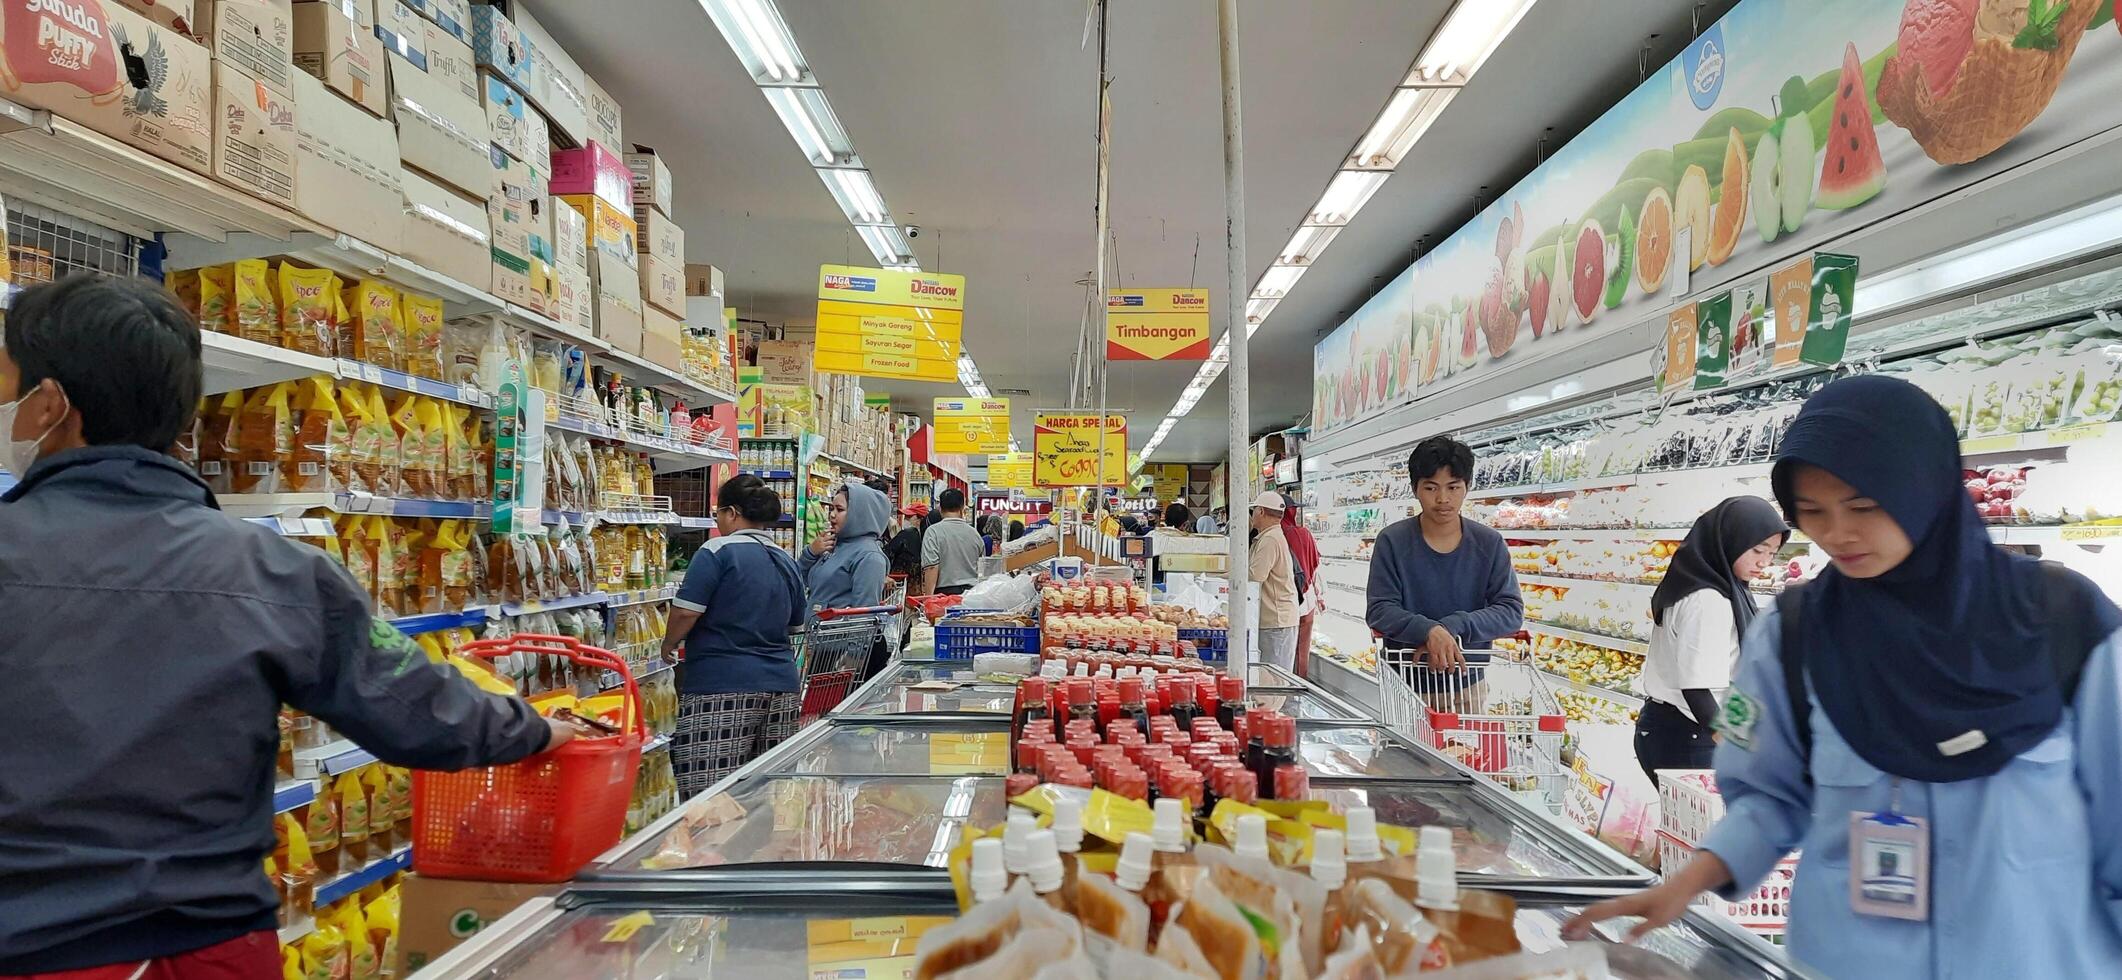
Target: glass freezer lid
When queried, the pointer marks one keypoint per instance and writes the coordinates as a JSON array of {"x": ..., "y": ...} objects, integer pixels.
[
  {"x": 1488, "y": 837},
  {"x": 941, "y": 687},
  {"x": 751, "y": 937},
  {"x": 1367, "y": 752},
  {"x": 901, "y": 820},
  {"x": 1691, "y": 949},
  {"x": 1269, "y": 675},
  {"x": 939, "y": 747},
  {"x": 1301, "y": 705}
]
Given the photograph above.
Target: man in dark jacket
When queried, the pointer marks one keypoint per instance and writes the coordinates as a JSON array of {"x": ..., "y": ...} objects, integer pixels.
[{"x": 150, "y": 642}]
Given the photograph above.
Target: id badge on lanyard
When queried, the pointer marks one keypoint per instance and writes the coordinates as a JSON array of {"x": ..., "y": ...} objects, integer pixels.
[{"x": 1889, "y": 862}]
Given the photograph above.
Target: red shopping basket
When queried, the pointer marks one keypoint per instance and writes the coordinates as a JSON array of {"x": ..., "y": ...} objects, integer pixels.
[{"x": 540, "y": 819}]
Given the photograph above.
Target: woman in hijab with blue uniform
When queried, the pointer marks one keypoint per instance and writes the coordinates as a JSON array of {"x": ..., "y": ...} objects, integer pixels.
[{"x": 1959, "y": 725}]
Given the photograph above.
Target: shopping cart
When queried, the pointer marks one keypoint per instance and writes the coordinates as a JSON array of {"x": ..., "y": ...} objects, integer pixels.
[
  {"x": 834, "y": 652},
  {"x": 540, "y": 819},
  {"x": 1495, "y": 715}
]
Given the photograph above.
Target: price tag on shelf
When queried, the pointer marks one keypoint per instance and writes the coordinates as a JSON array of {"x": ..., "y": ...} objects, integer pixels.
[
  {"x": 2077, "y": 433},
  {"x": 2096, "y": 532},
  {"x": 970, "y": 753},
  {"x": 1990, "y": 444}
]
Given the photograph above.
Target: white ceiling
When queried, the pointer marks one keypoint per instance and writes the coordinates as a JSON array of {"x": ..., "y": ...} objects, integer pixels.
[{"x": 978, "y": 119}]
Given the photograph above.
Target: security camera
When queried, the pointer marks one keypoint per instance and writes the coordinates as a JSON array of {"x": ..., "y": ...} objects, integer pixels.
[{"x": 913, "y": 231}]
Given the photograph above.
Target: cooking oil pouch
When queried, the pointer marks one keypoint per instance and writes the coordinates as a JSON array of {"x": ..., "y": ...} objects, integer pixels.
[
  {"x": 254, "y": 315},
  {"x": 317, "y": 460},
  {"x": 352, "y": 799},
  {"x": 308, "y": 300},
  {"x": 389, "y": 589},
  {"x": 434, "y": 446},
  {"x": 379, "y": 336},
  {"x": 390, "y": 481},
  {"x": 321, "y": 827},
  {"x": 184, "y": 284},
  {"x": 413, "y": 472},
  {"x": 453, "y": 545},
  {"x": 456, "y": 455},
  {"x": 382, "y": 916},
  {"x": 362, "y": 963},
  {"x": 482, "y": 447},
  {"x": 217, "y": 298},
  {"x": 265, "y": 438},
  {"x": 360, "y": 552},
  {"x": 217, "y": 442},
  {"x": 422, "y": 316},
  {"x": 380, "y": 810},
  {"x": 408, "y": 540},
  {"x": 291, "y": 962}
]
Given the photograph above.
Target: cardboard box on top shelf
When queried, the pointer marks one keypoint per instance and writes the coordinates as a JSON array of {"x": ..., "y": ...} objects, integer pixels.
[
  {"x": 513, "y": 124},
  {"x": 346, "y": 167},
  {"x": 519, "y": 216},
  {"x": 610, "y": 230},
  {"x": 450, "y": 60},
  {"x": 575, "y": 302},
  {"x": 662, "y": 339},
  {"x": 440, "y": 132},
  {"x": 257, "y": 36},
  {"x": 173, "y": 14},
  {"x": 332, "y": 44},
  {"x": 652, "y": 183},
  {"x": 171, "y": 117},
  {"x": 435, "y": 915},
  {"x": 499, "y": 48},
  {"x": 617, "y": 292},
  {"x": 596, "y": 170},
  {"x": 453, "y": 16},
  {"x": 557, "y": 83},
  {"x": 570, "y": 235},
  {"x": 604, "y": 114},
  {"x": 662, "y": 285},
  {"x": 661, "y": 237},
  {"x": 446, "y": 231},
  {"x": 254, "y": 135},
  {"x": 703, "y": 280},
  {"x": 402, "y": 31}
]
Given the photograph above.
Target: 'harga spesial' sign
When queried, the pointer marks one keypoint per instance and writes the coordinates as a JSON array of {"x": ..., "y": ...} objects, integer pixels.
[
  {"x": 1156, "y": 325},
  {"x": 1787, "y": 125},
  {"x": 1066, "y": 447}
]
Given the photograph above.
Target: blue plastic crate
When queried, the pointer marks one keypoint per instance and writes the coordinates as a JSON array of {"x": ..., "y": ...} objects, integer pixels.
[
  {"x": 1213, "y": 645},
  {"x": 961, "y": 642}
]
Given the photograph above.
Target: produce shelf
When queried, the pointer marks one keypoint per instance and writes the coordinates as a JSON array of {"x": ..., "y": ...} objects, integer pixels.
[
  {"x": 353, "y": 881},
  {"x": 231, "y": 363},
  {"x": 351, "y": 370},
  {"x": 292, "y": 794},
  {"x": 1561, "y": 680},
  {"x": 1595, "y": 639}
]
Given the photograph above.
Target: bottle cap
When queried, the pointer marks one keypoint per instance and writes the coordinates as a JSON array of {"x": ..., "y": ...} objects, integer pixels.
[
  {"x": 1068, "y": 824},
  {"x": 1282, "y": 732},
  {"x": 1020, "y": 825},
  {"x": 1044, "y": 860},
  {"x": 1168, "y": 829},
  {"x": 989, "y": 877},
  {"x": 1363, "y": 835},
  {"x": 1252, "y": 836},
  {"x": 1033, "y": 690},
  {"x": 1080, "y": 690},
  {"x": 1329, "y": 864},
  {"x": 1130, "y": 690},
  {"x": 1231, "y": 688},
  {"x": 1132, "y": 872},
  {"x": 1436, "y": 870}
]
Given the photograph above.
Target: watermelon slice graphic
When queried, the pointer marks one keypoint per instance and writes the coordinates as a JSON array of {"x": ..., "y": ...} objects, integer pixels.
[{"x": 1852, "y": 172}]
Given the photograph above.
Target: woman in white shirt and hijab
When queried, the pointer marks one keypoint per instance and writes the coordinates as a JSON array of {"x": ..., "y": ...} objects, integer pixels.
[{"x": 1702, "y": 608}]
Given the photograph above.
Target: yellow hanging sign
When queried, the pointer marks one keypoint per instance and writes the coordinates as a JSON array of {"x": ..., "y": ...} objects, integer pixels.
[
  {"x": 891, "y": 287},
  {"x": 1065, "y": 450},
  {"x": 972, "y": 425},
  {"x": 1156, "y": 325},
  {"x": 1010, "y": 471},
  {"x": 889, "y": 324}
]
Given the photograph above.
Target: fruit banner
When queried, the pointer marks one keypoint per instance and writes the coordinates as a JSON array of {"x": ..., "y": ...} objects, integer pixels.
[{"x": 1784, "y": 126}]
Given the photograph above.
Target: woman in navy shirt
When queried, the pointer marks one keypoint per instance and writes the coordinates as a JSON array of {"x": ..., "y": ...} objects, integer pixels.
[{"x": 738, "y": 690}]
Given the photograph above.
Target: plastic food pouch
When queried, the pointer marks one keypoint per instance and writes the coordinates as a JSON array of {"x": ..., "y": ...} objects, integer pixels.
[
  {"x": 1112, "y": 912},
  {"x": 364, "y": 446},
  {"x": 379, "y": 339},
  {"x": 457, "y": 456},
  {"x": 382, "y": 916},
  {"x": 265, "y": 438},
  {"x": 1285, "y": 907},
  {"x": 217, "y": 298},
  {"x": 360, "y": 953},
  {"x": 184, "y": 284},
  {"x": 321, "y": 826},
  {"x": 407, "y": 540},
  {"x": 217, "y": 441},
  {"x": 422, "y": 316},
  {"x": 482, "y": 454},
  {"x": 324, "y": 954},
  {"x": 463, "y": 343},
  {"x": 389, "y": 588},
  {"x": 986, "y": 929},
  {"x": 1046, "y": 953},
  {"x": 1483, "y": 926},
  {"x": 434, "y": 446},
  {"x": 291, "y": 962},
  {"x": 308, "y": 309},
  {"x": 298, "y": 865},
  {"x": 413, "y": 472},
  {"x": 402, "y": 792},
  {"x": 352, "y": 799},
  {"x": 1354, "y": 960},
  {"x": 390, "y": 475},
  {"x": 254, "y": 316},
  {"x": 453, "y": 545},
  {"x": 1218, "y": 934},
  {"x": 317, "y": 459},
  {"x": 380, "y": 809},
  {"x": 545, "y": 365}
]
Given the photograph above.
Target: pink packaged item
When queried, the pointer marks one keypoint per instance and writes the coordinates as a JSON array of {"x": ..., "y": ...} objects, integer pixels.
[{"x": 593, "y": 169}]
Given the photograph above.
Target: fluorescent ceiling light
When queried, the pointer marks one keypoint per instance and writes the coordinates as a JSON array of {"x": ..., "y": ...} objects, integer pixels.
[
  {"x": 1306, "y": 245},
  {"x": 1275, "y": 283},
  {"x": 1402, "y": 113},
  {"x": 1471, "y": 32},
  {"x": 857, "y": 195},
  {"x": 1346, "y": 195},
  {"x": 884, "y": 242},
  {"x": 756, "y": 32},
  {"x": 1258, "y": 309},
  {"x": 810, "y": 119}
]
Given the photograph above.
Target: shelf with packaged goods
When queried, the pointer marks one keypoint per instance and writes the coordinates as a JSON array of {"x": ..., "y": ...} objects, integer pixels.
[
  {"x": 293, "y": 794},
  {"x": 848, "y": 464},
  {"x": 1617, "y": 697},
  {"x": 620, "y": 600},
  {"x": 1594, "y": 639},
  {"x": 231, "y": 363},
  {"x": 655, "y": 744},
  {"x": 331, "y": 759},
  {"x": 555, "y": 605},
  {"x": 669, "y": 453},
  {"x": 296, "y": 931},
  {"x": 1737, "y": 472},
  {"x": 347, "y": 502},
  {"x": 471, "y": 618},
  {"x": 353, "y": 881}
]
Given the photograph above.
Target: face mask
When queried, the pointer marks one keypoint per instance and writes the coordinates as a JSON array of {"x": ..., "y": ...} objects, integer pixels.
[{"x": 16, "y": 455}]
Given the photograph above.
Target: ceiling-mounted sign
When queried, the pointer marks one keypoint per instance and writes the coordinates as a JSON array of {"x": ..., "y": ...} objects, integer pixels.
[
  {"x": 1156, "y": 325},
  {"x": 1010, "y": 471},
  {"x": 1066, "y": 450},
  {"x": 972, "y": 425},
  {"x": 883, "y": 323},
  {"x": 784, "y": 362},
  {"x": 1169, "y": 480}
]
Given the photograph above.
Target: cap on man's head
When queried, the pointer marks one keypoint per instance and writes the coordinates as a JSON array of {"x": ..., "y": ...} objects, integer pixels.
[
  {"x": 914, "y": 510},
  {"x": 1269, "y": 500}
]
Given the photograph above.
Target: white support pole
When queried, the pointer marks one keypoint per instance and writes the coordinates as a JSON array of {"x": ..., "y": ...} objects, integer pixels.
[{"x": 1241, "y": 652}]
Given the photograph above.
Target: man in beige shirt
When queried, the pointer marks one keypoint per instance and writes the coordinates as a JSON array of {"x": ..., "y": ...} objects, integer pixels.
[{"x": 1276, "y": 573}]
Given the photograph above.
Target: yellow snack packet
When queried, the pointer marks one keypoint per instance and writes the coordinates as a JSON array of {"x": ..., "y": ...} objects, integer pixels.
[
  {"x": 352, "y": 799},
  {"x": 252, "y": 311},
  {"x": 217, "y": 298},
  {"x": 324, "y": 953},
  {"x": 184, "y": 284},
  {"x": 378, "y": 337},
  {"x": 317, "y": 458},
  {"x": 309, "y": 307},
  {"x": 362, "y": 961},
  {"x": 291, "y": 963},
  {"x": 422, "y": 318}
]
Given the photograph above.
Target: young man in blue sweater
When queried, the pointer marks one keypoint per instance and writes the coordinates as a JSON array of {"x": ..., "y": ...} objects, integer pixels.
[{"x": 1440, "y": 583}]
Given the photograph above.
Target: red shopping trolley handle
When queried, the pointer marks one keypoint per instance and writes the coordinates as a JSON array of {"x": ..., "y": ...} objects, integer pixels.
[{"x": 826, "y": 614}]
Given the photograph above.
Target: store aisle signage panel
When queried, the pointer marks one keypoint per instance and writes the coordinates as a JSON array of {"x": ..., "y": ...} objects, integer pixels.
[
  {"x": 1800, "y": 313},
  {"x": 972, "y": 425},
  {"x": 1807, "y": 106},
  {"x": 1065, "y": 450},
  {"x": 1156, "y": 325},
  {"x": 883, "y": 323},
  {"x": 1010, "y": 471}
]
